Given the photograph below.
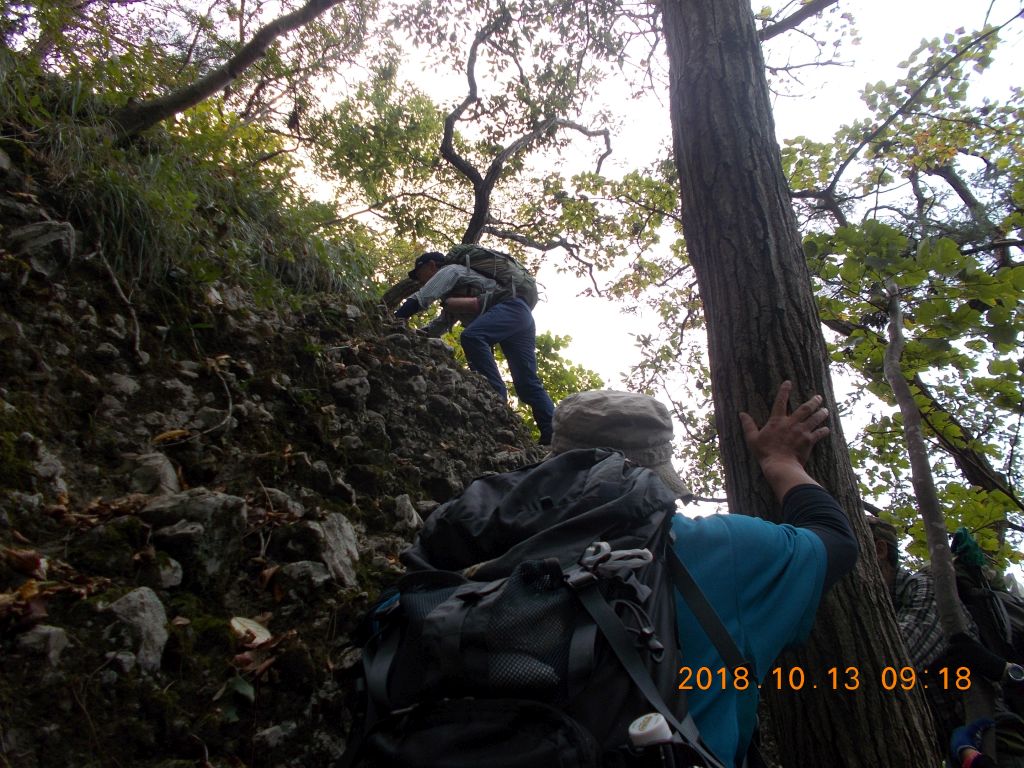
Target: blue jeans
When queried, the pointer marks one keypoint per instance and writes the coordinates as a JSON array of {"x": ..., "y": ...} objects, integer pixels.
[{"x": 510, "y": 325}]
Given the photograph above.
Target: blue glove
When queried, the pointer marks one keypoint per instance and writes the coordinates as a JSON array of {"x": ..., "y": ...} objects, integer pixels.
[
  {"x": 408, "y": 309},
  {"x": 968, "y": 736}
]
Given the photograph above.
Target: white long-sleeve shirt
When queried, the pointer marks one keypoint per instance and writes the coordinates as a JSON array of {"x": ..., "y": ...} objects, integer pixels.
[{"x": 447, "y": 279}]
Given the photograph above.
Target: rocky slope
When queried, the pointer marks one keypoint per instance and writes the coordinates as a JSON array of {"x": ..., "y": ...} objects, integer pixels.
[{"x": 198, "y": 497}]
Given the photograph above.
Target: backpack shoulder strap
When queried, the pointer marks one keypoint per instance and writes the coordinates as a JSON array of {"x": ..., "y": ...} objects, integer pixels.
[
  {"x": 705, "y": 612},
  {"x": 621, "y": 644}
]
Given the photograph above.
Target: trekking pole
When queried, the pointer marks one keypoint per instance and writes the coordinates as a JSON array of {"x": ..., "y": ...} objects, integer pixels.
[{"x": 652, "y": 731}]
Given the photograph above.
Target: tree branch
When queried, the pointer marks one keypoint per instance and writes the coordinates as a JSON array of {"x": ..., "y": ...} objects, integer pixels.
[
  {"x": 448, "y": 151},
  {"x": 903, "y": 108},
  {"x": 949, "y": 175},
  {"x": 973, "y": 465},
  {"x": 795, "y": 19},
  {"x": 483, "y": 184},
  {"x": 137, "y": 117},
  {"x": 979, "y": 700}
]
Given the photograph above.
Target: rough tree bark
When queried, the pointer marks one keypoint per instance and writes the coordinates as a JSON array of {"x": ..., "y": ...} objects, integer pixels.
[{"x": 763, "y": 327}]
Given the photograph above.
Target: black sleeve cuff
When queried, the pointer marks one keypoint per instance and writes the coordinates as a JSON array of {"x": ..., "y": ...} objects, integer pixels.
[
  {"x": 408, "y": 309},
  {"x": 812, "y": 507}
]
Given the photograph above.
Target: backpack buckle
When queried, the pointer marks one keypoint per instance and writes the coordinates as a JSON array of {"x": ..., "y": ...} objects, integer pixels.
[
  {"x": 586, "y": 571},
  {"x": 579, "y": 577},
  {"x": 597, "y": 553}
]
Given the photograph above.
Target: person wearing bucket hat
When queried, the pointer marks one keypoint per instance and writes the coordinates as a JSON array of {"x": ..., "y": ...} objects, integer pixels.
[
  {"x": 763, "y": 579},
  {"x": 637, "y": 425},
  {"x": 507, "y": 323}
]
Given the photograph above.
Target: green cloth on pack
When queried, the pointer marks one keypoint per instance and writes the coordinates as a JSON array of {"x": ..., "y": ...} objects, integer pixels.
[{"x": 966, "y": 548}]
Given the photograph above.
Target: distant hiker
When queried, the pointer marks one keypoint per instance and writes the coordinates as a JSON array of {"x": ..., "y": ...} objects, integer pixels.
[
  {"x": 764, "y": 580},
  {"x": 492, "y": 314},
  {"x": 917, "y": 617}
]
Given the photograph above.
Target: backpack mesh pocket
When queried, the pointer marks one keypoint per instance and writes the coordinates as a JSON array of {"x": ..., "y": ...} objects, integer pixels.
[{"x": 529, "y": 629}]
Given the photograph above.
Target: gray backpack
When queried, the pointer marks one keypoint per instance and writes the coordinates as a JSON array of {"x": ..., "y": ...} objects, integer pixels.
[{"x": 513, "y": 279}]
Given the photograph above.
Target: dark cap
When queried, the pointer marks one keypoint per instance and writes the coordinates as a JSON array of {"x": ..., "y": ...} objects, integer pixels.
[{"x": 426, "y": 258}]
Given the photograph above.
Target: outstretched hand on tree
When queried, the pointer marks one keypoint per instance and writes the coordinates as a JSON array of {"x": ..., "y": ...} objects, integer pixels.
[{"x": 783, "y": 445}]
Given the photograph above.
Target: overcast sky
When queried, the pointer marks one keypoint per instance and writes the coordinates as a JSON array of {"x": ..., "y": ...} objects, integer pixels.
[{"x": 601, "y": 334}]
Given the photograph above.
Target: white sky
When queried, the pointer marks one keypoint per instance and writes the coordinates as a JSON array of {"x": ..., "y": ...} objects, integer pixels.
[{"x": 601, "y": 335}]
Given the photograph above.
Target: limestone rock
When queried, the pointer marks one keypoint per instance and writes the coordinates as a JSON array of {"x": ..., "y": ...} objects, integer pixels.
[
  {"x": 143, "y": 614},
  {"x": 48, "y": 245},
  {"x": 406, "y": 517},
  {"x": 45, "y": 640},
  {"x": 338, "y": 547},
  {"x": 203, "y": 530},
  {"x": 154, "y": 474}
]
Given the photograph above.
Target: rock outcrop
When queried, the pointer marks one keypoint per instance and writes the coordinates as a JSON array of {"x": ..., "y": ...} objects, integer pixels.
[{"x": 199, "y": 495}]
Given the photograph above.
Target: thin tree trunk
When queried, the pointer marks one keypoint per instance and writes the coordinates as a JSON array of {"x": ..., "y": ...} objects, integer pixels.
[
  {"x": 979, "y": 699},
  {"x": 763, "y": 327}
]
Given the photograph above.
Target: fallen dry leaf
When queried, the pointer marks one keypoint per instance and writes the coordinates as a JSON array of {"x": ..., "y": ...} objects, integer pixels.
[
  {"x": 171, "y": 434},
  {"x": 28, "y": 591},
  {"x": 250, "y": 632},
  {"x": 27, "y": 562}
]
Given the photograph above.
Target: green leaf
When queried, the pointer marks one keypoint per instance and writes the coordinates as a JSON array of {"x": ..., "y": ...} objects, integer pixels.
[
  {"x": 1004, "y": 336},
  {"x": 1017, "y": 278},
  {"x": 242, "y": 688},
  {"x": 935, "y": 345}
]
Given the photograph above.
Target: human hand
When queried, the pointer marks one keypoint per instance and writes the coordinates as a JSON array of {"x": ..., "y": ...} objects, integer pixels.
[
  {"x": 786, "y": 437},
  {"x": 783, "y": 445},
  {"x": 969, "y": 737}
]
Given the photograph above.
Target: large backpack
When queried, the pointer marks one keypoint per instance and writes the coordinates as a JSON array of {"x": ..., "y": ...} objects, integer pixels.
[
  {"x": 513, "y": 279},
  {"x": 535, "y": 624}
]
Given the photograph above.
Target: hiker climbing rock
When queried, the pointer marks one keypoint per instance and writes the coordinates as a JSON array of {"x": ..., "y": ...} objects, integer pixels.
[
  {"x": 549, "y": 614},
  {"x": 492, "y": 296},
  {"x": 764, "y": 580}
]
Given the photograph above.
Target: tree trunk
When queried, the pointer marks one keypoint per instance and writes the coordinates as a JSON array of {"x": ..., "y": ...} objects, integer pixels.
[
  {"x": 763, "y": 327},
  {"x": 400, "y": 291},
  {"x": 138, "y": 116},
  {"x": 979, "y": 700}
]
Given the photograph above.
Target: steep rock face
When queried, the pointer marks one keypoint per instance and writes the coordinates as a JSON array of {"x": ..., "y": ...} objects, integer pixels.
[{"x": 198, "y": 497}]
